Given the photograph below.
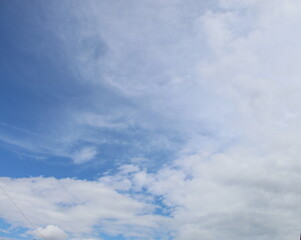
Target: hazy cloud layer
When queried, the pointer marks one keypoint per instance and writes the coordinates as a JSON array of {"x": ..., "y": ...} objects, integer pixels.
[{"x": 224, "y": 77}]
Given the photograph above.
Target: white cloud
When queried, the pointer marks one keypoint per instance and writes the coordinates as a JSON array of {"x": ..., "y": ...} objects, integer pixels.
[
  {"x": 84, "y": 155},
  {"x": 237, "y": 193},
  {"x": 86, "y": 239},
  {"x": 78, "y": 207},
  {"x": 4, "y": 230},
  {"x": 233, "y": 75},
  {"x": 246, "y": 188},
  {"x": 50, "y": 232},
  {"x": 139, "y": 70}
]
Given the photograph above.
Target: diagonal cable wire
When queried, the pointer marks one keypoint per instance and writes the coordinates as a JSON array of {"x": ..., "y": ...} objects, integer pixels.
[{"x": 20, "y": 211}]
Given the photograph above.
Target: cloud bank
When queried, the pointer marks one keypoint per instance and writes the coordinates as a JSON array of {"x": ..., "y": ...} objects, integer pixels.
[{"x": 223, "y": 77}]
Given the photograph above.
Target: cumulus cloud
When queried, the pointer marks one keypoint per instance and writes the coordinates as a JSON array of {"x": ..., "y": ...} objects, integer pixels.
[
  {"x": 236, "y": 193},
  {"x": 78, "y": 207},
  {"x": 50, "y": 232},
  {"x": 248, "y": 187}
]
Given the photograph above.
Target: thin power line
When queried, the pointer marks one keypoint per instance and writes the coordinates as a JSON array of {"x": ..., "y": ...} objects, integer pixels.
[{"x": 24, "y": 216}]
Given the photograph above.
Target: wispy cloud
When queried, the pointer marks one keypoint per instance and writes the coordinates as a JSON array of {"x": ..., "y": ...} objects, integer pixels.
[
  {"x": 85, "y": 154},
  {"x": 138, "y": 74}
]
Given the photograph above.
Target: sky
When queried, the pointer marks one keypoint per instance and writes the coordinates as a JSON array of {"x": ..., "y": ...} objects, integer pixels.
[{"x": 150, "y": 120}]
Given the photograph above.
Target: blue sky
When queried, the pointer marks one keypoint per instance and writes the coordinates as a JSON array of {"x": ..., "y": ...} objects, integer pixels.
[
  {"x": 150, "y": 119},
  {"x": 41, "y": 91}
]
